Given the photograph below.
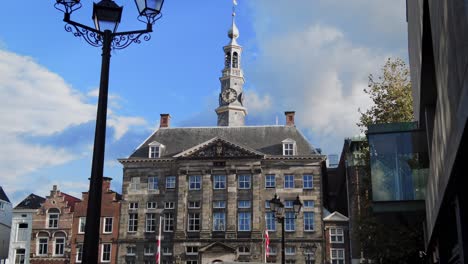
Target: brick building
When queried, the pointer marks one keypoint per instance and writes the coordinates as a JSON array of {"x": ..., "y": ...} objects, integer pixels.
[
  {"x": 336, "y": 231},
  {"x": 109, "y": 231},
  {"x": 212, "y": 185},
  {"x": 52, "y": 229}
]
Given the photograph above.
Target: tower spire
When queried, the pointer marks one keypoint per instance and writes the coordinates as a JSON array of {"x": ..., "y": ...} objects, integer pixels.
[{"x": 231, "y": 110}]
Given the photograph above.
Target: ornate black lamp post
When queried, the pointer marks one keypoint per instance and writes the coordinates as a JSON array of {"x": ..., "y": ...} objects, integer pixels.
[
  {"x": 309, "y": 253},
  {"x": 277, "y": 207},
  {"x": 106, "y": 16}
]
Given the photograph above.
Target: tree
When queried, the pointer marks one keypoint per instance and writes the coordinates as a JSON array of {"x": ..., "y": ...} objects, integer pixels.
[
  {"x": 391, "y": 95},
  {"x": 392, "y": 103}
]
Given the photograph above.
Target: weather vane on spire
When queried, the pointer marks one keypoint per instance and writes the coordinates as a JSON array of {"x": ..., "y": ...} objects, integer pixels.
[{"x": 234, "y": 4}]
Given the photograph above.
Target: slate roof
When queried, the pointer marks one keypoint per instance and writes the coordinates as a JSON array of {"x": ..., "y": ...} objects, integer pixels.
[
  {"x": 265, "y": 139},
  {"x": 3, "y": 195},
  {"x": 31, "y": 202}
]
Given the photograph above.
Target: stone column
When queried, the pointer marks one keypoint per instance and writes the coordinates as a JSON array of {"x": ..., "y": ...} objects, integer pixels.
[
  {"x": 231, "y": 206},
  {"x": 207, "y": 194},
  {"x": 181, "y": 218},
  {"x": 258, "y": 215}
]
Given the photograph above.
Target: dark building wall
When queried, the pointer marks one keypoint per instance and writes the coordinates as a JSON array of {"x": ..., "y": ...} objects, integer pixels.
[{"x": 439, "y": 59}]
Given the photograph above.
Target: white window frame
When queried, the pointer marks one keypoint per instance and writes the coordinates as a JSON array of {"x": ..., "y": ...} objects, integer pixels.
[
  {"x": 150, "y": 223},
  {"x": 131, "y": 251},
  {"x": 194, "y": 204},
  {"x": 22, "y": 233},
  {"x": 309, "y": 204},
  {"x": 79, "y": 253},
  {"x": 148, "y": 251},
  {"x": 170, "y": 182},
  {"x": 289, "y": 204},
  {"x": 273, "y": 250},
  {"x": 103, "y": 251},
  {"x": 241, "y": 216},
  {"x": 289, "y": 222},
  {"x": 308, "y": 219},
  {"x": 289, "y": 147},
  {"x": 244, "y": 181},
  {"x": 290, "y": 251},
  {"x": 270, "y": 183},
  {"x": 192, "y": 224},
  {"x": 244, "y": 204},
  {"x": 193, "y": 261},
  {"x": 82, "y": 225},
  {"x": 219, "y": 221},
  {"x": 154, "y": 152},
  {"x": 132, "y": 223},
  {"x": 196, "y": 180},
  {"x": 219, "y": 182},
  {"x": 153, "y": 183},
  {"x": 105, "y": 225},
  {"x": 220, "y": 204},
  {"x": 55, "y": 223},
  {"x": 132, "y": 206},
  {"x": 151, "y": 205},
  {"x": 134, "y": 184},
  {"x": 57, "y": 244},
  {"x": 191, "y": 250},
  {"x": 38, "y": 249},
  {"x": 243, "y": 250},
  {"x": 19, "y": 255},
  {"x": 167, "y": 251},
  {"x": 270, "y": 221},
  {"x": 337, "y": 259},
  {"x": 311, "y": 181},
  {"x": 169, "y": 205},
  {"x": 338, "y": 235},
  {"x": 286, "y": 177},
  {"x": 168, "y": 222}
]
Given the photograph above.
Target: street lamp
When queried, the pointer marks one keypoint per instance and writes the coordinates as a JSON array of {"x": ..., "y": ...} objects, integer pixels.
[
  {"x": 106, "y": 17},
  {"x": 309, "y": 253},
  {"x": 277, "y": 207}
]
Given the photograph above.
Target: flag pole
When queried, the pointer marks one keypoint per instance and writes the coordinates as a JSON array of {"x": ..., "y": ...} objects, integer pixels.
[{"x": 158, "y": 253}]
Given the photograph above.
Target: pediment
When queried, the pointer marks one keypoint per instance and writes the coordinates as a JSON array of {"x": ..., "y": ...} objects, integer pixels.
[
  {"x": 336, "y": 216},
  {"x": 218, "y": 148},
  {"x": 217, "y": 247}
]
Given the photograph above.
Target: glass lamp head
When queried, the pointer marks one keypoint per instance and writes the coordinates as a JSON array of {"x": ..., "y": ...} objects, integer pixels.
[
  {"x": 106, "y": 15},
  {"x": 149, "y": 9}
]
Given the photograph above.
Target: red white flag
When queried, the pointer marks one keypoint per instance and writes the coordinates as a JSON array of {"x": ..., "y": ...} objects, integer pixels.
[
  {"x": 267, "y": 242},
  {"x": 158, "y": 253}
]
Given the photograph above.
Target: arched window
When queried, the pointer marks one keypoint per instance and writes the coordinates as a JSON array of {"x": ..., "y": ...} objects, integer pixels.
[
  {"x": 235, "y": 60},
  {"x": 227, "y": 58},
  {"x": 59, "y": 243},
  {"x": 53, "y": 218},
  {"x": 42, "y": 243}
]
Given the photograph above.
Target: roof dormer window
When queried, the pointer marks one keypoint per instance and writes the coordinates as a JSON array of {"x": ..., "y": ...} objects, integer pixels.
[
  {"x": 155, "y": 149},
  {"x": 289, "y": 147}
]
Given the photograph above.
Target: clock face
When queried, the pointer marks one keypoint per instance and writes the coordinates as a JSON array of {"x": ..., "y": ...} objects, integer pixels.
[{"x": 229, "y": 95}]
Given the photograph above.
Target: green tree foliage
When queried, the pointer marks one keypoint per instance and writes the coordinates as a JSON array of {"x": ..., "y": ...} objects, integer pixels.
[
  {"x": 393, "y": 102},
  {"x": 391, "y": 95}
]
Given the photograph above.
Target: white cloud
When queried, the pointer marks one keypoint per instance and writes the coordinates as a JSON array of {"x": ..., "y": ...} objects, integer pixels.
[
  {"x": 256, "y": 103},
  {"x": 122, "y": 124}
]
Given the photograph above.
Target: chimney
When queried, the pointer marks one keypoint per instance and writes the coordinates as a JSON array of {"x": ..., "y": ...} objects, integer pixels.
[
  {"x": 290, "y": 118},
  {"x": 106, "y": 183},
  {"x": 165, "y": 120}
]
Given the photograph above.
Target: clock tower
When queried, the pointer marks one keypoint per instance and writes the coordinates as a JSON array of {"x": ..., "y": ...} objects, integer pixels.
[{"x": 231, "y": 110}]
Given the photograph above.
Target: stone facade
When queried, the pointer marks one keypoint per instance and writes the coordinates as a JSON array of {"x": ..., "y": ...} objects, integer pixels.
[
  {"x": 52, "y": 229},
  {"x": 110, "y": 219}
]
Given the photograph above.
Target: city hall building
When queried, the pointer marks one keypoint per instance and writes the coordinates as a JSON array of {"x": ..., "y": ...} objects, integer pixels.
[{"x": 210, "y": 186}]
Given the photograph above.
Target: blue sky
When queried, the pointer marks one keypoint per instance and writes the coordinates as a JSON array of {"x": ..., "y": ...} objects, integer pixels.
[{"x": 309, "y": 56}]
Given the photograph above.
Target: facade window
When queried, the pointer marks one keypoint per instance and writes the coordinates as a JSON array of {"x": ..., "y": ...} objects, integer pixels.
[
  {"x": 244, "y": 204},
  {"x": 288, "y": 204},
  {"x": 219, "y": 204},
  {"x": 235, "y": 60},
  {"x": 290, "y": 250},
  {"x": 133, "y": 206},
  {"x": 132, "y": 222},
  {"x": 194, "y": 204},
  {"x": 219, "y": 221},
  {"x": 290, "y": 261},
  {"x": 22, "y": 234},
  {"x": 336, "y": 235},
  {"x": 191, "y": 250},
  {"x": 219, "y": 181},
  {"x": 193, "y": 222},
  {"x": 243, "y": 250},
  {"x": 82, "y": 225},
  {"x": 108, "y": 221},
  {"x": 244, "y": 221},
  {"x": 151, "y": 205},
  {"x": 170, "y": 182},
  {"x": 168, "y": 222},
  {"x": 154, "y": 152},
  {"x": 131, "y": 251},
  {"x": 308, "y": 181},
  {"x": 20, "y": 254},
  {"x": 53, "y": 218},
  {"x": 194, "y": 182},
  {"x": 153, "y": 183},
  {"x": 289, "y": 221},
  {"x": 106, "y": 252},
  {"x": 308, "y": 204},
  {"x": 288, "y": 149},
  {"x": 337, "y": 256},
  {"x": 167, "y": 251},
  {"x": 273, "y": 250},
  {"x": 79, "y": 253},
  {"x": 42, "y": 246},
  {"x": 270, "y": 221},
  {"x": 169, "y": 205},
  {"x": 59, "y": 246},
  {"x": 134, "y": 184},
  {"x": 2, "y": 205},
  {"x": 149, "y": 250},
  {"x": 244, "y": 181},
  {"x": 270, "y": 181},
  {"x": 308, "y": 221},
  {"x": 191, "y": 262},
  {"x": 150, "y": 223},
  {"x": 288, "y": 181}
]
